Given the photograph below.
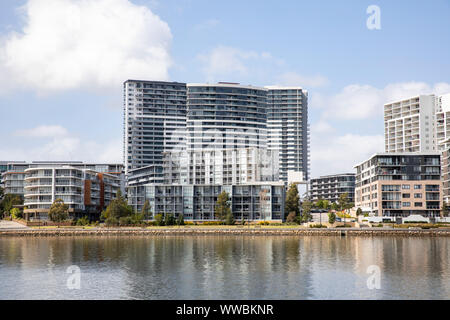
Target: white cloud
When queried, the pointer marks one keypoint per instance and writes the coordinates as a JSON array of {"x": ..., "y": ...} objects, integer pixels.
[
  {"x": 66, "y": 44},
  {"x": 332, "y": 154},
  {"x": 357, "y": 102},
  {"x": 43, "y": 132},
  {"x": 295, "y": 79},
  {"x": 57, "y": 143},
  {"x": 225, "y": 61}
]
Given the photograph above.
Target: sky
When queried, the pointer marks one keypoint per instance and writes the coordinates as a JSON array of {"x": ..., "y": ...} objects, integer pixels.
[{"x": 63, "y": 64}]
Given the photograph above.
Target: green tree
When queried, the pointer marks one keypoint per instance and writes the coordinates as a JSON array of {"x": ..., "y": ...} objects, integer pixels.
[
  {"x": 8, "y": 202},
  {"x": 445, "y": 209},
  {"x": 229, "y": 219},
  {"x": 16, "y": 213},
  {"x": 59, "y": 211},
  {"x": 117, "y": 208},
  {"x": 180, "y": 220},
  {"x": 306, "y": 211},
  {"x": 146, "y": 212},
  {"x": 169, "y": 219},
  {"x": 2, "y": 193},
  {"x": 222, "y": 208},
  {"x": 291, "y": 218},
  {"x": 292, "y": 200},
  {"x": 359, "y": 212},
  {"x": 159, "y": 219},
  {"x": 331, "y": 217}
]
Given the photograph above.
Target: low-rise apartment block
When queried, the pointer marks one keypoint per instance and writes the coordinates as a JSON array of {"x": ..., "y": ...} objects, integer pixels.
[
  {"x": 86, "y": 188},
  {"x": 400, "y": 184},
  {"x": 332, "y": 186}
]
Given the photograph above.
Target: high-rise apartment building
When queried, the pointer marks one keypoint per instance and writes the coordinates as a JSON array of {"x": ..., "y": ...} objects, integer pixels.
[
  {"x": 288, "y": 131},
  {"x": 164, "y": 116},
  {"x": 400, "y": 184},
  {"x": 154, "y": 121},
  {"x": 410, "y": 125},
  {"x": 226, "y": 116}
]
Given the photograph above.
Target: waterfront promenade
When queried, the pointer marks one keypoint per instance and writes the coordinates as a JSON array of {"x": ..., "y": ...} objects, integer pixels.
[{"x": 224, "y": 231}]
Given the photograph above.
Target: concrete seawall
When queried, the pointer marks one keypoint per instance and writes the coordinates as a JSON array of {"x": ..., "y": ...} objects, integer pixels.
[{"x": 225, "y": 232}]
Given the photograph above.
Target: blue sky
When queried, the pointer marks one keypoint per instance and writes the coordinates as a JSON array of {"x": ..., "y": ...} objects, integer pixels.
[{"x": 62, "y": 64}]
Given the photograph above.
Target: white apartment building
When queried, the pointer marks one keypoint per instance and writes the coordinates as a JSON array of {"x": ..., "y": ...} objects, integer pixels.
[
  {"x": 154, "y": 121},
  {"x": 288, "y": 130},
  {"x": 85, "y": 191},
  {"x": 221, "y": 166},
  {"x": 410, "y": 125}
]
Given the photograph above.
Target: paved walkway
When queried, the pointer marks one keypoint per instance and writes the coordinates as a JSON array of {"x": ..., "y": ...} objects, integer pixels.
[{"x": 11, "y": 225}]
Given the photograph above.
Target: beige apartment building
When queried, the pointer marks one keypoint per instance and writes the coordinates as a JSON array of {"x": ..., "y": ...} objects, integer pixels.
[{"x": 399, "y": 184}]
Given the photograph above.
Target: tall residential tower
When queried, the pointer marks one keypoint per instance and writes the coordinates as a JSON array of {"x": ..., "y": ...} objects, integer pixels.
[
  {"x": 288, "y": 131},
  {"x": 154, "y": 121}
]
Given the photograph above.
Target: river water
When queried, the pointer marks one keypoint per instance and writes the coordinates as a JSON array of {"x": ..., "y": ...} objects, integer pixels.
[{"x": 203, "y": 267}]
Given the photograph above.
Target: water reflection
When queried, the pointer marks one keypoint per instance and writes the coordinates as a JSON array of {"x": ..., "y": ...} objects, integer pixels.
[{"x": 225, "y": 267}]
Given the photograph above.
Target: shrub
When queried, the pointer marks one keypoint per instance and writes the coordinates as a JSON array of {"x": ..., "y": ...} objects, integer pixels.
[
  {"x": 84, "y": 221},
  {"x": 212, "y": 223},
  {"x": 189, "y": 223},
  {"x": 169, "y": 220},
  {"x": 229, "y": 219},
  {"x": 180, "y": 220},
  {"x": 15, "y": 213},
  {"x": 111, "y": 221},
  {"x": 317, "y": 226},
  {"x": 125, "y": 221},
  {"x": 264, "y": 223},
  {"x": 159, "y": 220}
]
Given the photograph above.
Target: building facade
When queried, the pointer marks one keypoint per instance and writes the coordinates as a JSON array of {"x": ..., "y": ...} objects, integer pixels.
[
  {"x": 226, "y": 116},
  {"x": 410, "y": 125},
  {"x": 192, "y": 181},
  {"x": 288, "y": 129},
  {"x": 154, "y": 121},
  {"x": 221, "y": 166},
  {"x": 86, "y": 192},
  {"x": 400, "y": 184},
  {"x": 249, "y": 202},
  {"x": 332, "y": 186}
]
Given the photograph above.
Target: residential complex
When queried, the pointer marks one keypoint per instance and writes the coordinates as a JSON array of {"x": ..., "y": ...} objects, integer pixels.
[
  {"x": 332, "y": 186},
  {"x": 410, "y": 125},
  {"x": 399, "y": 184},
  {"x": 223, "y": 135},
  {"x": 86, "y": 188},
  {"x": 288, "y": 129},
  {"x": 253, "y": 201},
  {"x": 154, "y": 121},
  {"x": 192, "y": 181},
  {"x": 163, "y": 116},
  {"x": 226, "y": 115}
]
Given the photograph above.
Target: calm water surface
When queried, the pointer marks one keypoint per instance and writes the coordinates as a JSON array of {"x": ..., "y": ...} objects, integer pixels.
[{"x": 225, "y": 267}]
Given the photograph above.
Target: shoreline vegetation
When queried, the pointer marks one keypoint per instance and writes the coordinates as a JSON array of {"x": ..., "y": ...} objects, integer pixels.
[{"x": 224, "y": 231}]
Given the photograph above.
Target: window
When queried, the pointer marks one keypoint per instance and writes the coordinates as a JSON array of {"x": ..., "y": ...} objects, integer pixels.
[
  {"x": 417, "y": 195},
  {"x": 405, "y": 187},
  {"x": 417, "y": 186},
  {"x": 406, "y": 195},
  {"x": 406, "y": 204},
  {"x": 417, "y": 204}
]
